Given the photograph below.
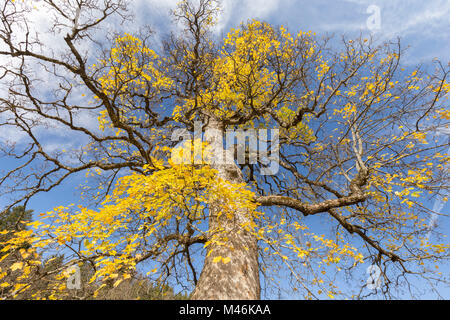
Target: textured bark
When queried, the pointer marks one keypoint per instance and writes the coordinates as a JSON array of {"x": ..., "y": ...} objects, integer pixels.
[{"x": 238, "y": 279}]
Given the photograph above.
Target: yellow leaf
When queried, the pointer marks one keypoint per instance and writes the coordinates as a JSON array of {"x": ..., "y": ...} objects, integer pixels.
[{"x": 16, "y": 266}]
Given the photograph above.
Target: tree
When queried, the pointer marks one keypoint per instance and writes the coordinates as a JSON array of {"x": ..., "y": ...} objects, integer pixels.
[
  {"x": 11, "y": 221},
  {"x": 15, "y": 219},
  {"x": 22, "y": 257},
  {"x": 357, "y": 149}
]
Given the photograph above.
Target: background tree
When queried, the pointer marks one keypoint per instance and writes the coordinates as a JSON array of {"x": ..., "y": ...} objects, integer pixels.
[
  {"x": 15, "y": 219},
  {"x": 356, "y": 150}
]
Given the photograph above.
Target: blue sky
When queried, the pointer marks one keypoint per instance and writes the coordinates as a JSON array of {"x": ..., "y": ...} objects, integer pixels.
[{"x": 424, "y": 26}]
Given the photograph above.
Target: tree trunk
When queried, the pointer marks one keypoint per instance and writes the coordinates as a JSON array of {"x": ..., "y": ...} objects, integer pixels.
[{"x": 239, "y": 278}]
